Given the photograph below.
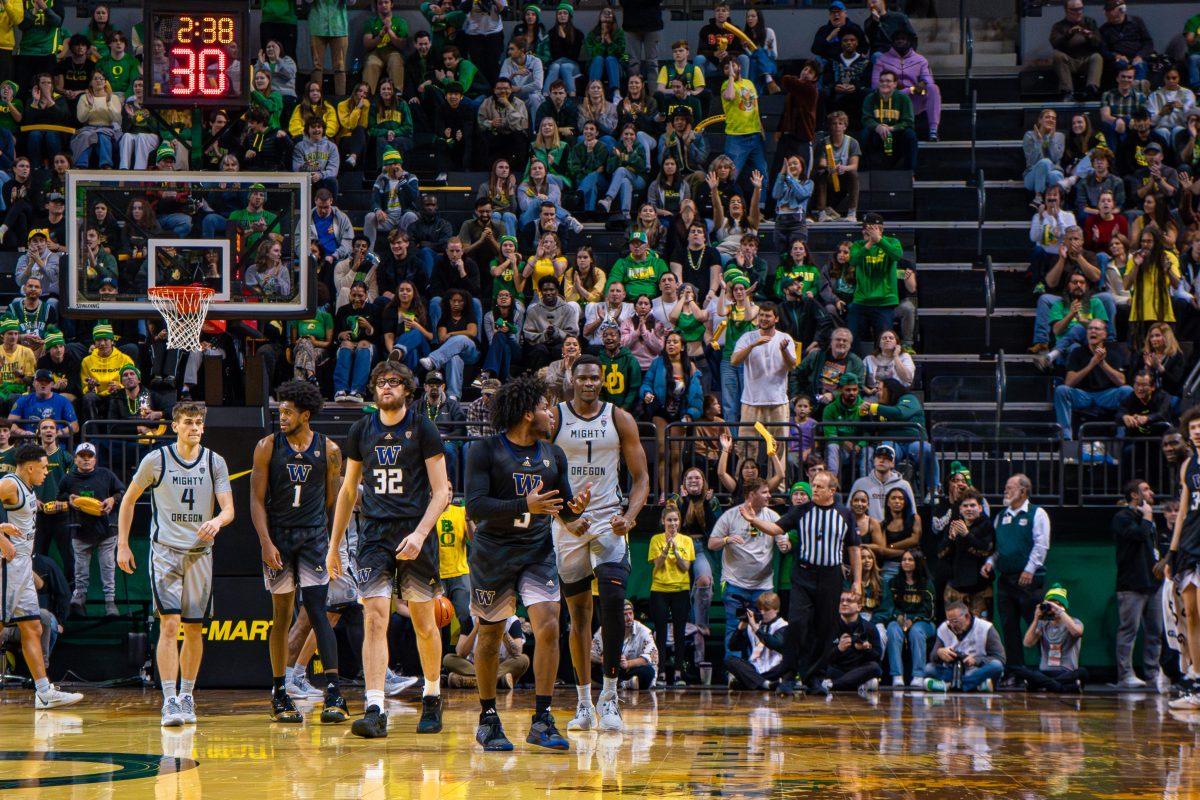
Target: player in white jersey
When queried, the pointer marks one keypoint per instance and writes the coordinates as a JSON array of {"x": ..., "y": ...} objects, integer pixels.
[
  {"x": 597, "y": 437},
  {"x": 18, "y": 595},
  {"x": 187, "y": 483}
]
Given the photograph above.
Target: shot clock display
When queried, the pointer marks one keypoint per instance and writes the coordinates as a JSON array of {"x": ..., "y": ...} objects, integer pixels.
[{"x": 197, "y": 57}]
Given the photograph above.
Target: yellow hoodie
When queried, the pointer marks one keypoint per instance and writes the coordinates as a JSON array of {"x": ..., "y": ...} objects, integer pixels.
[{"x": 12, "y": 12}]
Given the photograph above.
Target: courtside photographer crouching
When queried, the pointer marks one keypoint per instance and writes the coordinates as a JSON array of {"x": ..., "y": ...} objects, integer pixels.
[
  {"x": 852, "y": 660},
  {"x": 1059, "y": 637},
  {"x": 760, "y": 630},
  {"x": 968, "y": 656}
]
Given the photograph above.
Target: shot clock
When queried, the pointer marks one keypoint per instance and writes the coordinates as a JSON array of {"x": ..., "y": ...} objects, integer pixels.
[{"x": 198, "y": 56}]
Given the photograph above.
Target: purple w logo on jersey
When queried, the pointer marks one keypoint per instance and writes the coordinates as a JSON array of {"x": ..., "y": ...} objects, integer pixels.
[
  {"x": 387, "y": 454},
  {"x": 298, "y": 473},
  {"x": 525, "y": 483}
]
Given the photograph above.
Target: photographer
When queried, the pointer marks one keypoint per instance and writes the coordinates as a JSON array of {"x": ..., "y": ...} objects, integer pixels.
[
  {"x": 1059, "y": 636},
  {"x": 968, "y": 654},
  {"x": 760, "y": 630},
  {"x": 853, "y": 660}
]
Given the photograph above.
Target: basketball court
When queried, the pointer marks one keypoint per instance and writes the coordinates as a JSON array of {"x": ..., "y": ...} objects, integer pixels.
[{"x": 685, "y": 744}]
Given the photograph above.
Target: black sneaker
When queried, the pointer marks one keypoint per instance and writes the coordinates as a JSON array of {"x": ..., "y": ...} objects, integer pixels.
[
  {"x": 373, "y": 724},
  {"x": 543, "y": 733},
  {"x": 431, "y": 714},
  {"x": 786, "y": 689},
  {"x": 334, "y": 709},
  {"x": 283, "y": 709},
  {"x": 490, "y": 733}
]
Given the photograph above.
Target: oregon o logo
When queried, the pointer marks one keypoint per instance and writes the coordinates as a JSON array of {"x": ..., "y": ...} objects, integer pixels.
[{"x": 125, "y": 767}]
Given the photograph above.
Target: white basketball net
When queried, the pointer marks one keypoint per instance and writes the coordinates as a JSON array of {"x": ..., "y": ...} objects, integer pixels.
[{"x": 184, "y": 309}]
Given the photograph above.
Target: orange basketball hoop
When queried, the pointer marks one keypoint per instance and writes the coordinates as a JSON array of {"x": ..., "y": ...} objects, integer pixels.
[{"x": 184, "y": 309}]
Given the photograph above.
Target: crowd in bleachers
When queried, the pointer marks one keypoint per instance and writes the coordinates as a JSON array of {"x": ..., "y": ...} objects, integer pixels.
[
  {"x": 1116, "y": 228},
  {"x": 703, "y": 318}
]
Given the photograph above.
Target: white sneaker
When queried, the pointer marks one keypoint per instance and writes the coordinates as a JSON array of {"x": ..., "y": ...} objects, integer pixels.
[
  {"x": 610, "y": 713},
  {"x": 632, "y": 684},
  {"x": 851, "y": 216},
  {"x": 1187, "y": 702},
  {"x": 340, "y": 395},
  {"x": 917, "y": 683},
  {"x": 1131, "y": 681},
  {"x": 56, "y": 698},
  {"x": 1162, "y": 683},
  {"x": 898, "y": 681},
  {"x": 301, "y": 689},
  {"x": 584, "y": 719},
  {"x": 187, "y": 708},
  {"x": 426, "y": 363},
  {"x": 872, "y": 685},
  {"x": 172, "y": 714},
  {"x": 394, "y": 684}
]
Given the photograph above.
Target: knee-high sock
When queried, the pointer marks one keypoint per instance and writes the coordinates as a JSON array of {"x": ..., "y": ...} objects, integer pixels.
[{"x": 314, "y": 599}]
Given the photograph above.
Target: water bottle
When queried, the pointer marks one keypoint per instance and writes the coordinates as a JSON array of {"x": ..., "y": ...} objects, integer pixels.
[
  {"x": 956, "y": 681},
  {"x": 887, "y": 144}
]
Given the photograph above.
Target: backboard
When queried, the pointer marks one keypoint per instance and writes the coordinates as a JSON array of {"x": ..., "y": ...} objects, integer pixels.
[{"x": 244, "y": 235}]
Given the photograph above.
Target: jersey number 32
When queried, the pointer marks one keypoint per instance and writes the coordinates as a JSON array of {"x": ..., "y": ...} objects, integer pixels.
[{"x": 388, "y": 481}]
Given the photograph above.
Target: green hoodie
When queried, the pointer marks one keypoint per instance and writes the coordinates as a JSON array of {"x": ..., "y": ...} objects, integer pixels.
[
  {"x": 896, "y": 111},
  {"x": 837, "y": 411},
  {"x": 907, "y": 409},
  {"x": 622, "y": 378},
  {"x": 638, "y": 277},
  {"x": 875, "y": 270}
]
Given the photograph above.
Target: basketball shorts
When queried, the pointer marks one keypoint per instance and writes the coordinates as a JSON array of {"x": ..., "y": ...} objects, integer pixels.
[
  {"x": 578, "y": 556},
  {"x": 181, "y": 582},
  {"x": 499, "y": 575},
  {"x": 343, "y": 592},
  {"x": 17, "y": 591},
  {"x": 302, "y": 551},
  {"x": 379, "y": 573}
]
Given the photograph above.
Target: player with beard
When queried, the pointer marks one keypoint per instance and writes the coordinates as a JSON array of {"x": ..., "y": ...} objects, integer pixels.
[
  {"x": 397, "y": 456},
  {"x": 292, "y": 487},
  {"x": 596, "y": 438},
  {"x": 517, "y": 483}
]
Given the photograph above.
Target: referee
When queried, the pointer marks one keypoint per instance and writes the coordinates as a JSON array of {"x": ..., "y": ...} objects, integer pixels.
[{"x": 828, "y": 539}]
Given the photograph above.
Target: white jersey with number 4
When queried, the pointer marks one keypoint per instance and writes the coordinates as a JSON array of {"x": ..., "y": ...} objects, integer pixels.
[
  {"x": 593, "y": 449},
  {"x": 183, "y": 494}
]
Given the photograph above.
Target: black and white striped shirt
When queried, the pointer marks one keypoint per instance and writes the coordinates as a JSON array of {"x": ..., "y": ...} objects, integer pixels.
[{"x": 825, "y": 533}]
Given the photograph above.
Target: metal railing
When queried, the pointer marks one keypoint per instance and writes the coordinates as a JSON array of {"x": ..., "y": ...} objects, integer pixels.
[
  {"x": 967, "y": 37},
  {"x": 1103, "y": 461},
  {"x": 989, "y": 303},
  {"x": 1001, "y": 387},
  {"x": 1034, "y": 449}
]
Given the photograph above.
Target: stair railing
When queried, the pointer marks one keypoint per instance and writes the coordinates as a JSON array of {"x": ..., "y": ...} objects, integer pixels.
[
  {"x": 989, "y": 305},
  {"x": 1190, "y": 388},
  {"x": 967, "y": 37},
  {"x": 1001, "y": 388}
]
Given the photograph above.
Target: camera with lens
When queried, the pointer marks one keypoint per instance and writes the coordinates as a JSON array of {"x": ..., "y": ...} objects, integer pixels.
[
  {"x": 744, "y": 611},
  {"x": 1046, "y": 610},
  {"x": 857, "y": 638}
]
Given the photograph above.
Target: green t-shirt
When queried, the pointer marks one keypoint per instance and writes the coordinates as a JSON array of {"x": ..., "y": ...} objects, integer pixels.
[
  {"x": 245, "y": 219},
  {"x": 1192, "y": 26},
  {"x": 875, "y": 272},
  {"x": 735, "y": 326},
  {"x": 42, "y": 38},
  {"x": 327, "y": 19},
  {"x": 506, "y": 280},
  {"x": 809, "y": 275},
  {"x": 1094, "y": 310},
  {"x": 638, "y": 277},
  {"x": 60, "y": 465},
  {"x": 6, "y": 119},
  {"x": 279, "y": 11},
  {"x": 120, "y": 73},
  {"x": 319, "y": 327},
  {"x": 399, "y": 31}
]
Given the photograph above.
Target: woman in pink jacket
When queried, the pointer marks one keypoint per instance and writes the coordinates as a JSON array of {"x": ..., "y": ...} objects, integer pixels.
[
  {"x": 642, "y": 333},
  {"x": 915, "y": 78}
]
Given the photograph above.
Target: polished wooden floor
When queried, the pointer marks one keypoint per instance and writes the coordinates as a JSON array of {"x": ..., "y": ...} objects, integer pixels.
[{"x": 685, "y": 744}]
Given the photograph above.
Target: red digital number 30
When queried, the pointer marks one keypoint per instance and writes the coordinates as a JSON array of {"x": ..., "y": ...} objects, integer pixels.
[{"x": 191, "y": 69}]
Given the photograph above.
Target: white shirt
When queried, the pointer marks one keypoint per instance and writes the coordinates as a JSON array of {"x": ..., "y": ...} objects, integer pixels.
[
  {"x": 594, "y": 310},
  {"x": 1041, "y": 535},
  {"x": 1046, "y": 230},
  {"x": 638, "y": 643},
  {"x": 765, "y": 369}
]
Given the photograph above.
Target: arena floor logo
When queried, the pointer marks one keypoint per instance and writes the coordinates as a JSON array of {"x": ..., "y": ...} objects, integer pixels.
[{"x": 126, "y": 767}]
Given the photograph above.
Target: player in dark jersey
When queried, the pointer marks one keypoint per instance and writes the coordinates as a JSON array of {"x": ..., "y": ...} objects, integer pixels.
[
  {"x": 516, "y": 484},
  {"x": 397, "y": 455},
  {"x": 1183, "y": 562},
  {"x": 292, "y": 488}
]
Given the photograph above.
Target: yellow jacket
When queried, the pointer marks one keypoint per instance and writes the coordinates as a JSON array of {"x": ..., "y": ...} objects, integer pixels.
[
  {"x": 12, "y": 13},
  {"x": 351, "y": 118},
  {"x": 102, "y": 370},
  {"x": 296, "y": 124}
]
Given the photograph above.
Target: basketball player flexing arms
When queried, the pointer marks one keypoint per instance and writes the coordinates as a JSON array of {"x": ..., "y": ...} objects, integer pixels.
[
  {"x": 596, "y": 437},
  {"x": 18, "y": 593},
  {"x": 187, "y": 482},
  {"x": 397, "y": 456},
  {"x": 516, "y": 483},
  {"x": 292, "y": 486}
]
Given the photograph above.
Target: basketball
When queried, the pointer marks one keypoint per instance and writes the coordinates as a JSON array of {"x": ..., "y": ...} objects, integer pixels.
[{"x": 443, "y": 611}]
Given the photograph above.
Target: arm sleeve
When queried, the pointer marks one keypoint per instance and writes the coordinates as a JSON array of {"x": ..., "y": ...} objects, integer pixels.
[
  {"x": 149, "y": 471},
  {"x": 220, "y": 474}
]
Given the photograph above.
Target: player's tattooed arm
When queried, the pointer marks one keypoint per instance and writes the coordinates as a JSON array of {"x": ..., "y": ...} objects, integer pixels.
[{"x": 333, "y": 474}]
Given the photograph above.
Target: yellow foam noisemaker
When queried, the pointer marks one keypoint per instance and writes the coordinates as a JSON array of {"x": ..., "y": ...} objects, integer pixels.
[
  {"x": 834, "y": 181},
  {"x": 89, "y": 505},
  {"x": 736, "y": 31},
  {"x": 713, "y": 120},
  {"x": 717, "y": 334},
  {"x": 767, "y": 438}
]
